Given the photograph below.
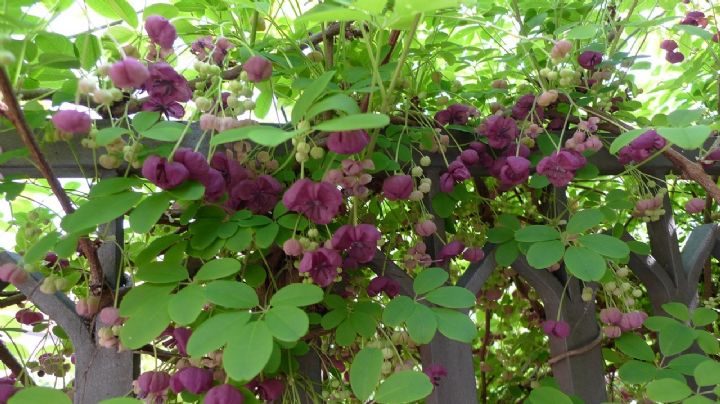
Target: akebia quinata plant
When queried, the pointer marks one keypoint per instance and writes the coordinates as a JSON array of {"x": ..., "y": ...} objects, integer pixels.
[{"x": 361, "y": 202}]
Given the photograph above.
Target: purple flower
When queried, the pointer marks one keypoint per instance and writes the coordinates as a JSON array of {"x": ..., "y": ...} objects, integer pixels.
[
  {"x": 632, "y": 320},
  {"x": 160, "y": 31},
  {"x": 224, "y": 394},
  {"x": 398, "y": 187},
  {"x": 457, "y": 172},
  {"x": 222, "y": 46},
  {"x": 474, "y": 254},
  {"x": 612, "y": 331},
  {"x": 154, "y": 383},
  {"x": 28, "y": 317},
  {"x": 558, "y": 329},
  {"x": 456, "y": 114},
  {"x": 169, "y": 108},
  {"x": 230, "y": 169},
  {"x": 359, "y": 242},
  {"x": 524, "y": 105},
  {"x": 451, "y": 250},
  {"x": 195, "y": 162},
  {"x": 71, "y": 121},
  {"x": 435, "y": 372},
  {"x": 258, "y": 69},
  {"x": 181, "y": 336},
  {"x": 695, "y": 18},
  {"x": 469, "y": 157},
  {"x": 674, "y": 57},
  {"x": 668, "y": 45},
  {"x": 610, "y": 315},
  {"x": 319, "y": 201},
  {"x": 641, "y": 148},
  {"x": 129, "y": 73},
  {"x": 348, "y": 142},
  {"x": 590, "y": 59},
  {"x": 695, "y": 205},
  {"x": 192, "y": 379},
  {"x": 259, "y": 195},
  {"x": 322, "y": 264},
  {"x": 167, "y": 85},
  {"x": 377, "y": 285},
  {"x": 200, "y": 47},
  {"x": 500, "y": 131},
  {"x": 214, "y": 185},
  {"x": 164, "y": 174},
  {"x": 268, "y": 389},
  {"x": 514, "y": 171},
  {"x": 560, "y": 167},
  {"x": 6, "y": 391}
]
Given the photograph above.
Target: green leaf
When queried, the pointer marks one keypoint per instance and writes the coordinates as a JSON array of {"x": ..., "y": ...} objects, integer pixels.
[
  {"x": 534, "y": 233},
  {"x": 106, "y": 136},
  {"x": 144, "y": 295},
  {"x": 499, "y": 235},
  {"x": 162, "y": 272},
  {"x": 453, "y": 297},
  {"x": 703, "y": 316},
  {"x": 675, "y": 338},
  {"x": 88, "y": 50},
  {"x": 345, "y": 333},
  {"x": 443, "y": 204},
  {"x": 109, "y": 186},
  {"x": 687, "y": 363},
  {"x": 422, "y": 324},
  {"x": 214, "y": 332},
  {"x": 99, "y": 210},
  {"x": 584, "y": 220},
  {"x": 584, "y": 263},
  {"x": 398, "y": 310},
  {"x": 297, "y": 294},
  {"x": 115, "y": 9},
  {"x": 636, "y": 372},
  {"x": 545, "y": 253},
  {"x": 265, "y": 236},
  {"x": 188, "y": 191},
  {"x": 365, "y": 372},
  {"x": 236, "y": 295},
  {"x": 585, "y": 31},
  {"x": 311, "y": 92},
  {"x": 698, "y": 399},
  {"x": 625, "y": 139},
  {"x": 30, "y": 395},
  {"x": 404, "y": 387},
  {"x": 684, "y": 117},
  {"x": 634, "y": 346},
  {"x": 547, "y": 394},
  {"x": 148, "y": 212},
  {"x": 667, "y": 390},
  {"x": 455, "y": 325},
  {"x": 41, "y": 247},
  {"x": 688, "y": 138},
  {"x": 144, "y": 120},
  {"x": 695, "y": 31},
  {"x": 166, "y": 131},
  {"x": 218, "y": 268},
  {"x": 352, "y": 122},
  {"x": 328, "y": 13},
  {"x": 248, "y": 351},
  {"x": 429, "y": 279},
  {"x": 506, "y": 253},
  {"x": 185, "y": 306},
  {"x": 603, "y": 244},
  {"x": 335, "y": 102},
  {"x": 145, "y": 324},
  {"x": 240, "y": 241},
  {"x": 261, "y": 134},
  {"x": 166, "y": 10},
  {"x": 287, "y": 323},
  {"x": 677, "y": 310},
  {"x": 707, "y": 373},
  {"x": 363, "y": 323},
  {"x": 707, "y": 342}
]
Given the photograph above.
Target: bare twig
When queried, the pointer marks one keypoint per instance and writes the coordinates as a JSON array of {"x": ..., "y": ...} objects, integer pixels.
[
  {"x": 575, "y": 352},
  {"x": 14, "y": 299}
]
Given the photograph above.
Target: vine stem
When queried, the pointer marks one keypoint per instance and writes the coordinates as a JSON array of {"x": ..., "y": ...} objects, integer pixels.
[{"x": 15, "y": 115}]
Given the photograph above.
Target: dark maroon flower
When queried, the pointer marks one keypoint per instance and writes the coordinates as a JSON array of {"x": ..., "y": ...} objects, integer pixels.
[
  {"x": 6, "y": 391},
  {"x": 72, "y": 121},
  {"x": 451, "y": 250},
  {"x": 560, "y": 167},
  {"x": 192, "y": 379},
  {"x": 559, "y": 329},
  {"x": 392, "y": 288},
  {"x": 514, "y": 171},
  {"x": 348, "y": 142},
  {"x": 129, "y": 73},
  {"x": 224, "y": 394},
  {"x": 201, "y": 46},
  {"x": 694, "y": 205},
  {"x": 166, "y": 84},
  {"x": 474, "y": 254},
  {"x": 435, "y": 372},
  {"x": 195, "y": 162},
  {"x": 398, "y": 187},
  {"x": 500, "y": 131},
  {"x": 258, "y": 69},
  {"x": 377, "y": 285},
  {"x": 695, "y": 18},
  {"x": 457, "y": 172},
  {"x": 322, "y": 265},
  {"x": 259, "y": 195},
  {"x": 181, "y": 336},
  {"x": 152, "y": 383},
  {"x": 230, "y": 169},
  {"x": 522, "y": 108},
  {"x": 319, "y": 201},
  {"x": 51, "y": 259},
  {"x": 222, "y": 46},
  {"x": 214, "y": 185},
  {"x": 486, "y": 159},
  {"x": 469, "y": 157},
  {"x": 28, "y": 317},
  {"x": 268, "y": 389},
  {"x": 590, "y": 59},
  {"x": 168, "y": 108},
  {"x": 164, "y": 174},
  {"x": 641, "y": 148},
  {"x": 160, "y": 31},
  {"x": 456, "y": 114},
  {"x": 668, "y": 45},
  {"x": 674, "y": 57},
  {"x": 359, "y": 242}
]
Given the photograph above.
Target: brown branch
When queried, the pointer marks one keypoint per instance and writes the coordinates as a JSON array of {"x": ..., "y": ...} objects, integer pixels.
[
  {"x": 17, "y": 369},
  {"x": 575, "y": 352},
  {"x": 158, "y": 353},
  {"x": 483, "y": 355},
  {"x": 14, "y": 299},
  {"x": 693, "y": 171},
  {"x": 15, "y": 115}
]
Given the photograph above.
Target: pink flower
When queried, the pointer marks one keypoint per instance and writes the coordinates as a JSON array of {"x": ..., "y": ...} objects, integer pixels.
[
  {"x": 674, "y": 57},
  {"x": 612, "y": 331},
  {"x": 426, "y": 228},
  {"x": 435, "y": 372},
  {"x": 28, "y": 317},
  {"x": 292, "y": 247},
  {"x": 322, "y": 265},
  {"x": 514, "y": 171},
  {"x": 523, "y": 107},
  {"x": 222, "y": 47},
  {"x": 457, "y": 172},
  {"x": 559, "y": 329},
  {"x": 268, "y": 389},
  {"x": 192, "y": 379},
  {"x": 590, "y": 59},
  {"x": 359, "y": 242},
  {"x": 695, "y": 205},
  {"x": 348, "y": 142},
  {"x": 129, "y": 73},
  {"x": 224, "y": 394},
  {"x": 71, "y": 121},
  {"x": 632, "y": 320},
  {"x": 181, "y": 336},
  {"x": 160, "y": 31},
  {"x": 561, "y": 49},
  {"x": 110, "y": 316},
  {"x": 164, "y": 174},
  {"x": 456, "y": 114},
  {"x": 474, "y": 254},
  {"x": 668, "y": 45},
  {"x": 319, "y": 201},
  {"x": 451, "y": 250},
  {"x": 500, "y": 131},
  {"x": 258, "y": 69},
  {"x": 152, "y": 383},
  {"x": 641, "y": 148},
  {"x": 560, "y": 166},
  {"x": 398, "y": 187},
  {"x": 610, "y": 316},
  {"x": 259, "y": 195}
]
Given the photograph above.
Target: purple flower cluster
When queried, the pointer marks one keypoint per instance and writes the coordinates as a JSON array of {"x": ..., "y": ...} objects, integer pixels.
[
  {"x": 322, "y": 265},
  {"x": 641, "y": 148},
  {"x": 349, "y": 142},
  {"x": 152, "y": 386},
  {"x": 268, "y": 390},
  {"x": 381, "y": 284},
  {"x": 398, "y": 187},
  {"x": 167, "y": 89},
  {"x": 456, "y": 114},
  {"x": 129, "y": 73},
  {"x": 557, "y": 329},
  {"x": 671, "y": 55},
  {"x": 457, "y": 172},
  {"x": 590, "y": 59},
  {"x": 695, "y": 18},
  {"x": 160, "y": 31},
  {"x": 616, "y": 322},
  {"x": 523, "y": 108},
  {"x": 258, "y": 69},
  {"x": 560, "y": 167},
  {"x": 192, "y": 379},
  {"x": 358, "y": 242},
  {"x": 319, "y": 201},
  {"x": 352, "y": 177},
  {"x": 224, "y": 394},
  {"x": 204, "y": 46}
]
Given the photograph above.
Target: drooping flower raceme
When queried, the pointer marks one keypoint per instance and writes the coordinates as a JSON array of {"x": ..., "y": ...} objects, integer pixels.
[
  {"x": 359, "y": 242},
  {"x": 322, "y": 265},
  {"x": 398, "y": 187},
  {"x": 164, "y": 174},
  {"x": 500, "y": 131},
  {"x": 258, "y": 69},
  {"x": 641, "y": 148},
  {"x": 560, "y": 167},
  {"x": 160, "y": 31}
]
